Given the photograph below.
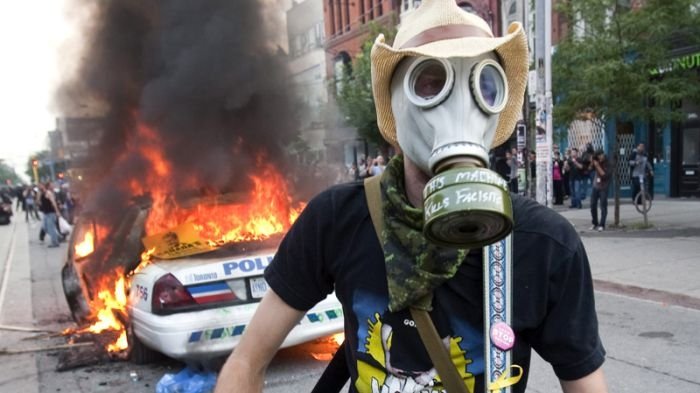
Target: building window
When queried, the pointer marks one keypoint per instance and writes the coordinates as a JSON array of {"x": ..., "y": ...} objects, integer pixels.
[
  {"x": 342, "y": 66},
  {"x": 318, "y": 32},
  {"x": 362, "y": 11},
  {"x": 347, "y": 14},
  {"x": 513, "y": 8},
  {"x": 380, "y": 8},
  {"x": 339, "y": 16},
  {"x": 331, "y": 16},
  {"x": 371, "y": 9}
]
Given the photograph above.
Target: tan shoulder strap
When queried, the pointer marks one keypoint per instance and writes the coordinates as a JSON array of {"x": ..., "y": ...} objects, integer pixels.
[
  {"x": 373, "y": 193},
  {"x": 439, "y": 355}
]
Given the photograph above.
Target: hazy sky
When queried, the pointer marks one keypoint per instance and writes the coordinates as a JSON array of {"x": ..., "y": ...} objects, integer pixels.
[{"x": 31, "y": 32}]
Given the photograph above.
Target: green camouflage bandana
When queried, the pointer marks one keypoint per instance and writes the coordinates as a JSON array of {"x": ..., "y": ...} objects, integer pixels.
[{"x": 414, "y": 267}]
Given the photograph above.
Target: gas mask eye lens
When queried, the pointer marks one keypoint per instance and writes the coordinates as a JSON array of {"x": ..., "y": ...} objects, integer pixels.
[
  {"x": 491, "y": 91},
  {"x": 428, "y": 81},
  {"x": 489, "y": 85}
]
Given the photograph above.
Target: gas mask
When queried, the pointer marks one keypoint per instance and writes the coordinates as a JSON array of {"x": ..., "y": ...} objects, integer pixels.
[{"x": 446, "y": 112}]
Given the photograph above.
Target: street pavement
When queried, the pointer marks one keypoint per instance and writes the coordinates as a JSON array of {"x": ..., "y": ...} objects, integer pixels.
[
  {"x": 647, "y": 293},
  {"x": 647, "y": 285},
  {"x": 661, "y": 262}
]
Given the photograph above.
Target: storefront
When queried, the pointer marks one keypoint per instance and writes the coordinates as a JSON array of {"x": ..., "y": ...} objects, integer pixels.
[
  {"x": 673, "y": 147},
  {"x": 677, "y": 145},
  {"x": 686, "y": 135}
]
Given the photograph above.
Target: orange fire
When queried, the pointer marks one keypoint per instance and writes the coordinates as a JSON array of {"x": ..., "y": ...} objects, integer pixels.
[
  {"x": 338, "y": 338},
  {"x": 110, "y": 310},
  {"x": 86, "y": 246},
  {"x": 267, "y": 210},
  {"x": 324, "y": 349}
]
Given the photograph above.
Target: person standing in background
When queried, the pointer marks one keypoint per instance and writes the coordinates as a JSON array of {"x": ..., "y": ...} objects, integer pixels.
[
  {"x": 565, "y": 174},
  {"x": 587, "y": 170},
  {"x": 575, "y": 169},
  {"x": 640, "y": 167},
  {"x": 557, "y": 179},
  {"x": 601, "y": 180},
  {"x": 49, "y": 208},
  {"x": 377, "y": 166},
  {"x": 512, "y": 161},
  {"x": 532, "y": 158}
]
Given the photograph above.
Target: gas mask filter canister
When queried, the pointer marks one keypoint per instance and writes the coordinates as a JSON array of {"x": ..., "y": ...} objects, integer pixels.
[{"x": 446, "y": 112}]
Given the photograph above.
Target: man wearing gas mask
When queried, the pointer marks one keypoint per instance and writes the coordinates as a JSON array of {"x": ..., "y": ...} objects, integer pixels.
[{"x": 446, "y": 92}]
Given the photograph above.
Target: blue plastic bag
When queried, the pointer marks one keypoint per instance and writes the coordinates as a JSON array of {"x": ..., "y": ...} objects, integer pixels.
[{"x": 187, "y": 381}]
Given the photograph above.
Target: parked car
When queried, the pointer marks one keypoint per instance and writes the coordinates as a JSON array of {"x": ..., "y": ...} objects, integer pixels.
[{"x": 192, "y": 308}]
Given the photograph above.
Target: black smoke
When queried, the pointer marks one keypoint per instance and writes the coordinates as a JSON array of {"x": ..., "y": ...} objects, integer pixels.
[{"x": 205, "y": 76}]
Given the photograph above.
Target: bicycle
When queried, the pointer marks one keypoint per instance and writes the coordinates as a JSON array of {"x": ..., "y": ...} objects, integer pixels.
[{"x": 642, "y": 198}]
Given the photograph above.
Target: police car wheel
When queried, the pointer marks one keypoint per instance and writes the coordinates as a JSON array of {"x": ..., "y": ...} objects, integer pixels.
[{"x": 139, "y": 353}]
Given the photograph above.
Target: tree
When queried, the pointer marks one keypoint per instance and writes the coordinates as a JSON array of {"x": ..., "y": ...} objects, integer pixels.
[
  {"x": 354, "y": 90},
  {"x": 619, "y": 61},
  {"x": 8, "y": 173},
  {"x": 610, "y": 61}
]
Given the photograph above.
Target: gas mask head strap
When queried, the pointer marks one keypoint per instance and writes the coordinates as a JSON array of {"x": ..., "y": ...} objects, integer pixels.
[{"x": 446, "y": 32}]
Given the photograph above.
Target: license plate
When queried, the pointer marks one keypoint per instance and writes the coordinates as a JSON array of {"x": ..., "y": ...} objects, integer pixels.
[{"x": 258, "y": 287}]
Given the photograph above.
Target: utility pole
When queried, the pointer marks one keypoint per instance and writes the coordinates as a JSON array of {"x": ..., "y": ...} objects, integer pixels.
[{"x": 543, "y": 120}]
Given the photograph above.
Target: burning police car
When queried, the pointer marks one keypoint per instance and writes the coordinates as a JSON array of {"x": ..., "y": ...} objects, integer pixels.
[
  {"x": 196, "y": 308},
  {"x": 168, "y": 288}
]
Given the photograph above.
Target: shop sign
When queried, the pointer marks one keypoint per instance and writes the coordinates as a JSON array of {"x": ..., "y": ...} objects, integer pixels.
[{"x": 686, "y": 62}]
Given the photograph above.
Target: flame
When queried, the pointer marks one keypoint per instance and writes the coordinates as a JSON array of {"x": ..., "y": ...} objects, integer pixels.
[
  {"x": 266, "y": 211},
  {"x": 92, "y": 233},
  {"x": 325, "y": 349},
  {"x": 86, "y": 246},
  {"x": 145, "y": 261},
  {"x": 338, "y": 338},
  {"x": 110, "y": 307}
]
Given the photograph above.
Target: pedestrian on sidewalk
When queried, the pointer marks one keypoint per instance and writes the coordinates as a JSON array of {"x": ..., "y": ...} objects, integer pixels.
[
  {"x": 565, "y": 178},
  {"x": 30, "y": 209},
  {"x": 557, "y": 179},
  {"x": 601, "y": 180},
  {"x": 576, "y": 176},
  {"x": 587, "y": 171},
  {"x": 640, "y": 168},
  {"x": 512, "y": 161},
  {"x": 532, "y": 159},
  {"x": 49, "y": 208}
]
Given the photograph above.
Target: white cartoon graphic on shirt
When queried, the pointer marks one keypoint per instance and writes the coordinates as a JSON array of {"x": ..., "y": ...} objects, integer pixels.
[{"x": 387, "y": 363}]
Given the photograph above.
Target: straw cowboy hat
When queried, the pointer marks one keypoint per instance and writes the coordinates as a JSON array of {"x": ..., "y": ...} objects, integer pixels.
[{"x": 439, "y": 28}]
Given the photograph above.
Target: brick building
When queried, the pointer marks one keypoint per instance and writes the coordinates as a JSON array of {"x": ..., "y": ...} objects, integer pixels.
[
  {"x": 346, "y": 21},
  {"x": 346, "y": 26}
]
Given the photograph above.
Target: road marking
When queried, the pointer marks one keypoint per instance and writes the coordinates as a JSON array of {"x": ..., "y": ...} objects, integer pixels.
[{"x": 6, "y": 272}]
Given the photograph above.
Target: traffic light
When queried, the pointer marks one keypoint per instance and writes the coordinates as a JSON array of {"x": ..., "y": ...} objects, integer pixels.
[{"x": 35, "y": 163}]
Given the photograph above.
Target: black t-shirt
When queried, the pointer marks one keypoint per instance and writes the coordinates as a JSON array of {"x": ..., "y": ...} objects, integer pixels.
[{"x": 333, "y": 245}]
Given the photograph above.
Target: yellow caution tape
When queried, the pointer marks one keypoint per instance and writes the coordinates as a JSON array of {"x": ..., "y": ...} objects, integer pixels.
[{"x": 504, "y": 380}]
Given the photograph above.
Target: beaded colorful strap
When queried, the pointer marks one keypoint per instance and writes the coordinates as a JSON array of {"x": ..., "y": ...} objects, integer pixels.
[{"x": 498, "y": 335}]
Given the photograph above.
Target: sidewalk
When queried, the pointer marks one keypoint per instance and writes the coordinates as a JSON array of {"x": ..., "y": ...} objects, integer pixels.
[
  {"x": 661, "y": 263},
  {"x": 20, "y": 371}
]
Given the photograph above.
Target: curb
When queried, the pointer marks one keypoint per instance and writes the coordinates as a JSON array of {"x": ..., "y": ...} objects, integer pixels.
[{"x": 655, "y": 295}]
